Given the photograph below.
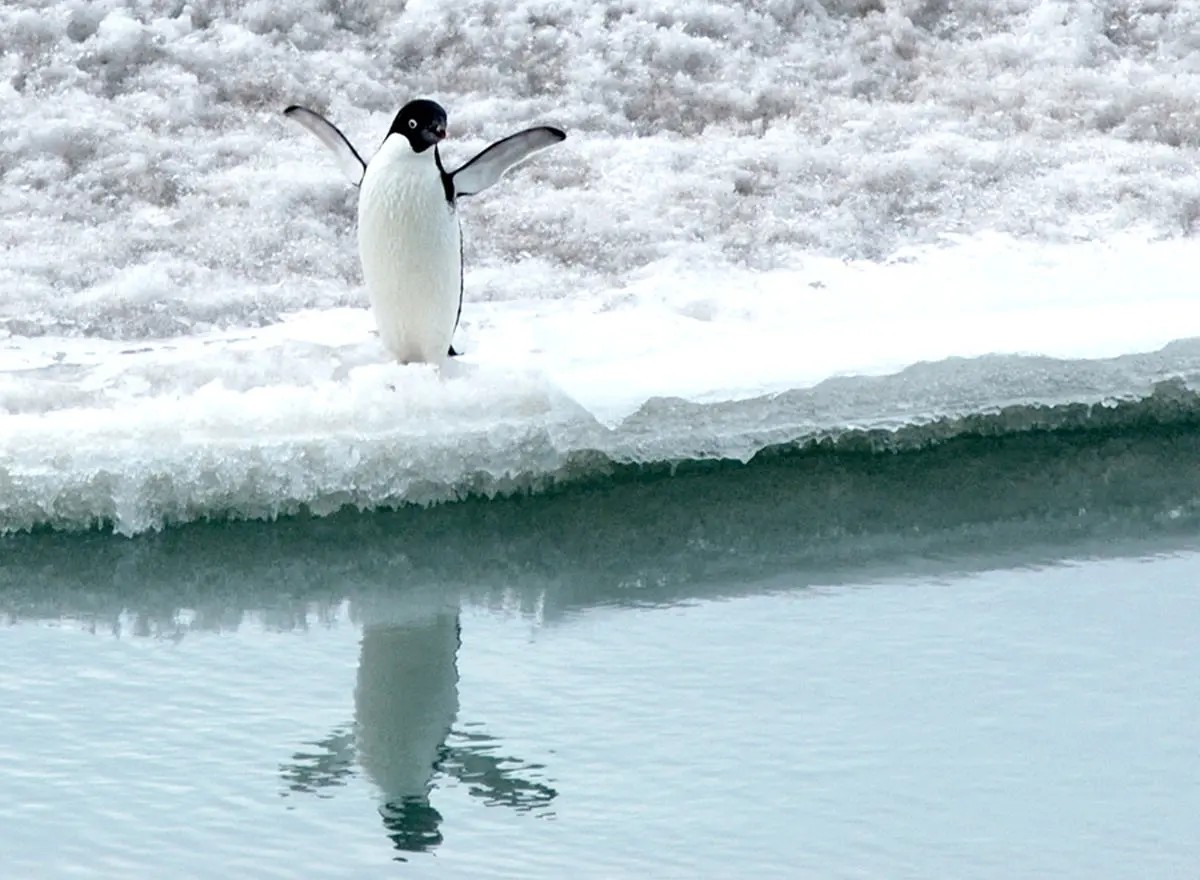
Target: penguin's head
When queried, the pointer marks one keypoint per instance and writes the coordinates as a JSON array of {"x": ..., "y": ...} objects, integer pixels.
[{"x": 422, "y": 122}]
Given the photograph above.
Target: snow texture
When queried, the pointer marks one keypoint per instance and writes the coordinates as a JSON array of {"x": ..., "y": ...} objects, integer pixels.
[{"x": 772, "y": 222}]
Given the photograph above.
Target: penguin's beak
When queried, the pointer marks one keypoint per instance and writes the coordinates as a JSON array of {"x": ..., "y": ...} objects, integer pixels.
[{"x": 439, "y": 131}]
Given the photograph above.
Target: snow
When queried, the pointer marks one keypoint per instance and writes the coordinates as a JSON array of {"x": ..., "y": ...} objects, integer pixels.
[{"x": 771, "y": 222}]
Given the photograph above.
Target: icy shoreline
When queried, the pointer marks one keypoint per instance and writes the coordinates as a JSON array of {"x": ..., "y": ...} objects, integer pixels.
[
  {"x": 307, "y": 414},
  {"x": 175, "y": 468}
]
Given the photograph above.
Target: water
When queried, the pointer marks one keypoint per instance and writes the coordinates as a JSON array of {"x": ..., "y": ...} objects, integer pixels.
[{"x": 966, "y": 661}]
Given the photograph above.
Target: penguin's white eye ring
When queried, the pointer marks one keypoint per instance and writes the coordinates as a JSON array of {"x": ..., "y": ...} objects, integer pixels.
[{"x": 412, "y": 123}]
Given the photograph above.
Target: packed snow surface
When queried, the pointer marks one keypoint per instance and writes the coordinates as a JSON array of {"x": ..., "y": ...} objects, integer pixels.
[{"x": 771, "y": 222}]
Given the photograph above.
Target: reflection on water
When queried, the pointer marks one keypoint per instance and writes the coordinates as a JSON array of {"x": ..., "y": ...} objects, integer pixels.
[
  {"x": 786, "y": 520},
  {"x": 404, "y": 739},
  {"x": 861, "y": 731},
  {"x": 643, "y": 538},
  {"x": 472, "y": 757},
  {"x": 330, "y": 765},
  {"x": 706, "y": 531}
]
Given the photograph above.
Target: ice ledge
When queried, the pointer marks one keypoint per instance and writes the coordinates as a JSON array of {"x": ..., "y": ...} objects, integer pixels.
[{"x": 176, "y": 468}]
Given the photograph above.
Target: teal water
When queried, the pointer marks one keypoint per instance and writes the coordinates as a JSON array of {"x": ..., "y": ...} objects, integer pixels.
[{"x": 973, "y": 660}]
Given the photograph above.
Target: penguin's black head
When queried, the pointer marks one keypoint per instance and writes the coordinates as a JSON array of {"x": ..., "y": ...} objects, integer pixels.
[{"x": 422, "y": 122}]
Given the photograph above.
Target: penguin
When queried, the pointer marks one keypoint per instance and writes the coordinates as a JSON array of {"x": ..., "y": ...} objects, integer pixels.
[{"x": 409, "y": 235}]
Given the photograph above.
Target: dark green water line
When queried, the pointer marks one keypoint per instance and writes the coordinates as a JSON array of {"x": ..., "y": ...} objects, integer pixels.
[{"x": 786, "y": 519}]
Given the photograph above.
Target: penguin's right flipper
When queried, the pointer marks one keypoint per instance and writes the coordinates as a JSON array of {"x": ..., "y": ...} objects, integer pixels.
[
  {"x": 454, "y": 353},
  {"x": 348, "y": 160}
]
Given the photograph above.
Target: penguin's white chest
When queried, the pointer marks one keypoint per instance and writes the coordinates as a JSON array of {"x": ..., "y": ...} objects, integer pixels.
[{"x": 410, "y": 246}]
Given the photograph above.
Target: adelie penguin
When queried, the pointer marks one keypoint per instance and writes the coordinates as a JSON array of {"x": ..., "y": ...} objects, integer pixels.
[{"x": 409, "y": 238}]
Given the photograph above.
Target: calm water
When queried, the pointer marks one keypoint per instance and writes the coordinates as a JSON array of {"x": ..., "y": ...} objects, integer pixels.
[{"x": 979, "y": 661}]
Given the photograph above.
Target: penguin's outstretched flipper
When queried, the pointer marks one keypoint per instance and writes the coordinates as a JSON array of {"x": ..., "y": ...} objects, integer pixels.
[
  {"x": 490, "y": 165},
  {"x": 348, "y": 160}
]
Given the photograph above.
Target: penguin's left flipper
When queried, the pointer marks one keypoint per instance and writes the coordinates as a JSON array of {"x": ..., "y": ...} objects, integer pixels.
[
  {"x": 454, "y": 353},
  {"x": 348, "y": 160},
  {"x": 490, "y": 165}
]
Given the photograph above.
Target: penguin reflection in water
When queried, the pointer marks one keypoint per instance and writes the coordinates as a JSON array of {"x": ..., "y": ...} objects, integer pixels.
[
  {"x": 409, "y": 239},
  {"x": 407, "y": 738}
]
